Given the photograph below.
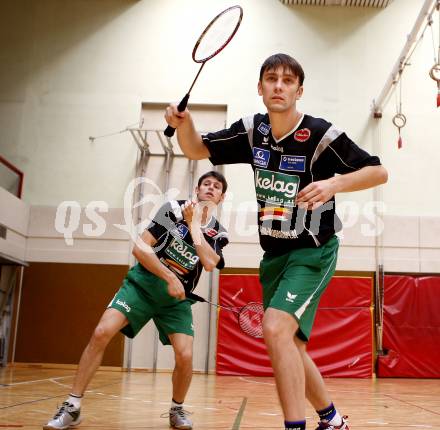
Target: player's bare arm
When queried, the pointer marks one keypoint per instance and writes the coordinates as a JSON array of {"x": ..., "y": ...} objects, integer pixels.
[
  {"x": 189, "y": 139},
  {"x": 145, "y": 255},
  {"x": 317, "y": 193},
  {"x": 192, "y": 213}
]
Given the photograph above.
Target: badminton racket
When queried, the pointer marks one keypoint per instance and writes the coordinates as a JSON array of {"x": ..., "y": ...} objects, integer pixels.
[
  {"x": 249, "y": 317},
  {"x": 214, "y": 38}
]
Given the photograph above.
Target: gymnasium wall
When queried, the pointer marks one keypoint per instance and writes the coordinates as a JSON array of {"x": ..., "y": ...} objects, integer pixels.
[
  {"x": 406, "y": 248},
  {"x": 60, "y": 306},
  {"x": 14, "y": 216},
  {"x": 411, "y": 333},
  {"x": 73, "y": 69},
  {"x": 406, "y": 244},
  {"x": 78, "y": 68}
]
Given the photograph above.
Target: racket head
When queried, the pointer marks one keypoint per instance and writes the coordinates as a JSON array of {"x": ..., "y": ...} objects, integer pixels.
[
  {"x": 217, "y": 34},
  {"x": 250, "y": 319}
]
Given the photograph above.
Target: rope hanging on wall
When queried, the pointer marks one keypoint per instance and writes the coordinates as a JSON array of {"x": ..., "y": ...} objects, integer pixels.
[
  {"x": 434, "y": 73},
  {"x": 93, "y": 138},
  {"x": 399, "y": 120},
  {"x": 423, "y": 21}
]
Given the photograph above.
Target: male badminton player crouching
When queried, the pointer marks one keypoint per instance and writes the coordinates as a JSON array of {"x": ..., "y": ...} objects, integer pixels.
[{"x": 182, "y": 239}]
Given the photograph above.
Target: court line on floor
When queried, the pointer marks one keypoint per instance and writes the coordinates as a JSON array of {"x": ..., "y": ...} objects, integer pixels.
[
  {"x": 47, "y": 398},
  {"x": 358, "y": 392},
  {"x": 34, "y": 381},
  {"x": 241, "y": 378},
  {"x": 412, "y": 404},
  {"x": 421, "y": 396},
  {"x": 239, "y": 416},
  {"x": 251, "y": 381},
  {"x": 96, "y": 392},
  {"x": 28, "y": 402}
]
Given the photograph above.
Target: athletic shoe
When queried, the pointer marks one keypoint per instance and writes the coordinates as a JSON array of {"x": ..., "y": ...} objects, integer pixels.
[
  {"x": 66, "y": 417},
  {"x": 327, "y": 426},
  {"x": 179, "y": 419}
]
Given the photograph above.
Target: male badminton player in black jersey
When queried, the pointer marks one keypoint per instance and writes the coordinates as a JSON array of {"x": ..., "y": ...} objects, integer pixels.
[
  {"x": 182, "y": 239},
  {"x": 295, "y": 159}
]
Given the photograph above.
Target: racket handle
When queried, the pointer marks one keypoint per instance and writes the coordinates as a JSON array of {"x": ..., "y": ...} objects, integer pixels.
[
  {"x": 169, "y": 131},
  {"x": 195, "y": 297}
]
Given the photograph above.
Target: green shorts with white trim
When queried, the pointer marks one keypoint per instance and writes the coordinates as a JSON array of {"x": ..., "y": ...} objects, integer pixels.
[
  {"x": 294, "y": 282},
  {"x": 144, "y": 296}
]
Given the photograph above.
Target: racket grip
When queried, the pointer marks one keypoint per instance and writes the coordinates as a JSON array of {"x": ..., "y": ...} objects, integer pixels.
[
  {"x": 195, "y": 297},
  {"x": 169, "y": 131},
  {"x": 183, "y": 103}
]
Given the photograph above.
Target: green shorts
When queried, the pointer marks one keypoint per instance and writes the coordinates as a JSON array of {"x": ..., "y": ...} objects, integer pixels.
[
  {"x": 294, "y": 282},
  {"x": 143, "y": 296}
]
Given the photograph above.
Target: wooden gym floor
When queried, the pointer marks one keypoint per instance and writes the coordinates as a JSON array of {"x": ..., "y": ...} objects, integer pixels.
[{"x": 120, "y": 400}]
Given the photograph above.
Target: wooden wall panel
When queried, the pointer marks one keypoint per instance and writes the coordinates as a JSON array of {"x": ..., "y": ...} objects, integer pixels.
[{"x": 60, "y": 306}]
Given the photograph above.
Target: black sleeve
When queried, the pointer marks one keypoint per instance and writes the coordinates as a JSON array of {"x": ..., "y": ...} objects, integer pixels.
[
  {"x": 163, "y": 221},
  {"x": 348, "y": 157},
  {"x": 229, "y": 146},
  {"x": 220, "y": 241}
]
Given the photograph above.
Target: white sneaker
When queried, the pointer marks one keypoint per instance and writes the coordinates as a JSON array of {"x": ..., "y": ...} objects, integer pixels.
[
  {"x": 179, "y": 418},
  {"x": 327, "y": 426},
  {"x": 66, "y": 417}
]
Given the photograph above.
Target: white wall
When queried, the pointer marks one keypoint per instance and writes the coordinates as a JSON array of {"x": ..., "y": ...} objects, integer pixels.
[
  {"x": 75, "y": 68},
  {"x": 14, "y": 216},
  {"x": 71, "y": 69}
]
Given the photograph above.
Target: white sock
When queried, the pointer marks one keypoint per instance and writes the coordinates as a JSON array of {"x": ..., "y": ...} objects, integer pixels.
[
  {"x": 336, "y": 420},
  {"x": 175, "y": 404},
  {"x": 75, "y": 400}
]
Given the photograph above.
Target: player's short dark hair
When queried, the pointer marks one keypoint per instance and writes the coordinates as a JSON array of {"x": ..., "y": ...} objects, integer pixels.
[
  {"x": 285, "y": 61},
  {"x": 215, "y": 175}
]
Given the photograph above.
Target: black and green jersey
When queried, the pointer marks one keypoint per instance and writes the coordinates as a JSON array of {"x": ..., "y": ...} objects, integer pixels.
[
  {"x": 313, "y": 151},
  {"x": 175, "y": 246}
]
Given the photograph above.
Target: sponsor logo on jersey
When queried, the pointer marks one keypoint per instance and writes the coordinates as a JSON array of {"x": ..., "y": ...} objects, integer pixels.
[
  {"x": 261, "y": 157},
  {"x": 274, "y": 213},
  {"x": 278, "y": 234},
  {"x": 276, "y": 188},
  {"x": 264, "y": 129},
  {"x": 265, "y": 140},
  {"x": 277, "y": 148},
  {"x": 182, "y": 253},
  {"x": 302, "y": 135},
  {"x": 293, "y": 163},
  {"x": 124, "y": 305},
  {"x": 182, "y": 230},
  {"x": 210, "y": 232}
]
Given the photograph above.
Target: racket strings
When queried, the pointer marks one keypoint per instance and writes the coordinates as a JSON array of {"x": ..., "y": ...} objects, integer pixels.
[
  {"x": 217, "y": 35},
  {"x": 250, "y": 319}
]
